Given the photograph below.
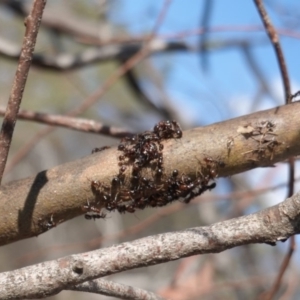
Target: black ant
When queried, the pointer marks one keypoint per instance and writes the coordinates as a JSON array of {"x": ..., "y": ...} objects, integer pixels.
[
  {"x": 100, "y": 149},
  {"x": 121, "y": 209},
  {"x": 47, "y": 225},
  {"x": 92, "y": 212},
  {"x": 167, "y": 130},
  {"x": 130, "y": 209},
  {"x": 89, "y": 208},
  {"x": 94, "y": 216},
  {"x": 159, "y": 172},
  {"x": 115, "y": 186},
  {"x": 95, "y": 185},
  {"x": 121, "y": 147},
  {"x": 175, "y": 173}
]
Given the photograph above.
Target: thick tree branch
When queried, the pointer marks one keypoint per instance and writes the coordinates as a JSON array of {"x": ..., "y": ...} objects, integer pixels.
[
  {"x": 59, "y": 194},
  {"x": 270, "y": 225}
]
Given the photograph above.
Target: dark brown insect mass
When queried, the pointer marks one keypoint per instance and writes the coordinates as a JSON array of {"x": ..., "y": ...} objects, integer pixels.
[
  {"x": 100, "y": 149},
  {"x": 47, "y": 224},
  {"x": 145, "y": 150}
]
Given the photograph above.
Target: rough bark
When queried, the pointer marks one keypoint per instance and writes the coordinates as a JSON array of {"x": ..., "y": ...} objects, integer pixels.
[
  {"x": 273, "y": 224},
  {"x": 58, "y": 194}
]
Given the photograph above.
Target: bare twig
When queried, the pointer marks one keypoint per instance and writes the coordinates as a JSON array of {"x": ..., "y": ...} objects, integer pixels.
[
  {"x": 274, "y": 38},
  {"x": 133, "y": 83},
  {"x": 113, "y": 289},
  {"x": 78, "y": 124},
  {"x": 87, "y": 32},
  {"x": 92, "y": 55},
  {"x": 63, "y": 22},
  {"x": 204, "y": 22},
  {"x": 258, "y": 73},
  {"x": 32, "y": 23},
  {"x": 268, "y": 226},
  {"x": 277, "y": 282}
]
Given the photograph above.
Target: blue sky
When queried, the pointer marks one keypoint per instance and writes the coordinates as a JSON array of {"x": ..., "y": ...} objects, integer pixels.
[{"x": 215, "y": 95}]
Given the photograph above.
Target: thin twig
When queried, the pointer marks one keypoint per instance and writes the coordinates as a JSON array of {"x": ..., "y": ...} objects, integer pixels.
[
  {"x": 78, "y": 124},
  {"x": 291, "y": 177},
  {"x": 113, "y": 289},
  {"x": 274, "y": 38},
  {"x": 86, "y": 32},
  {"x": 205, "y": 20},
  {"x": 277, "y": 282},
  {"x": 32, "y": 23},
  {"x": 92, "y": 55}
]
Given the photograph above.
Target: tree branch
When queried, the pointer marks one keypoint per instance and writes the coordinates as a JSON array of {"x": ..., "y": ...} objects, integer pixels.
[
  {"x": 104, "y": 53},
  {"x": 270, "y": 225},
  {"x": 78, "y": 124},
  {"x": 92, "y": 55},
  {"x": 59, "y": 194},
  {"x": 32, "y": 23}
]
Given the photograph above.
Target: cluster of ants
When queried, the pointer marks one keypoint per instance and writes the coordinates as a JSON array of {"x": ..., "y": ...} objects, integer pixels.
[{"x": 129, "y": 193}]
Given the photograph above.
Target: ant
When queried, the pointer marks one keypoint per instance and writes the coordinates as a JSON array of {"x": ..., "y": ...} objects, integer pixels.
[
  {"x": 111, "y": 206},
  {"x": 100, "y": 190},
  {"x": 94, "y": 216},
  {"x": 175, "y": 173},
  {"x": 115, "y": 186},
  {"x": 130, "y": 209},
  {"x": 92, "y": 212},
  {"x": 121, "y": 209},
  {"x": 121, "y": 147},
  {"x": 167, "y": 130},
  {"x": 139, "y": 151},
  {"x": 96, "y": 185},
  {"x": 47, "y": 225},
  {"x": 100, "y": 149},
  {"x": 89, "y": 208},
  {"x": 159, "y": 172}
]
